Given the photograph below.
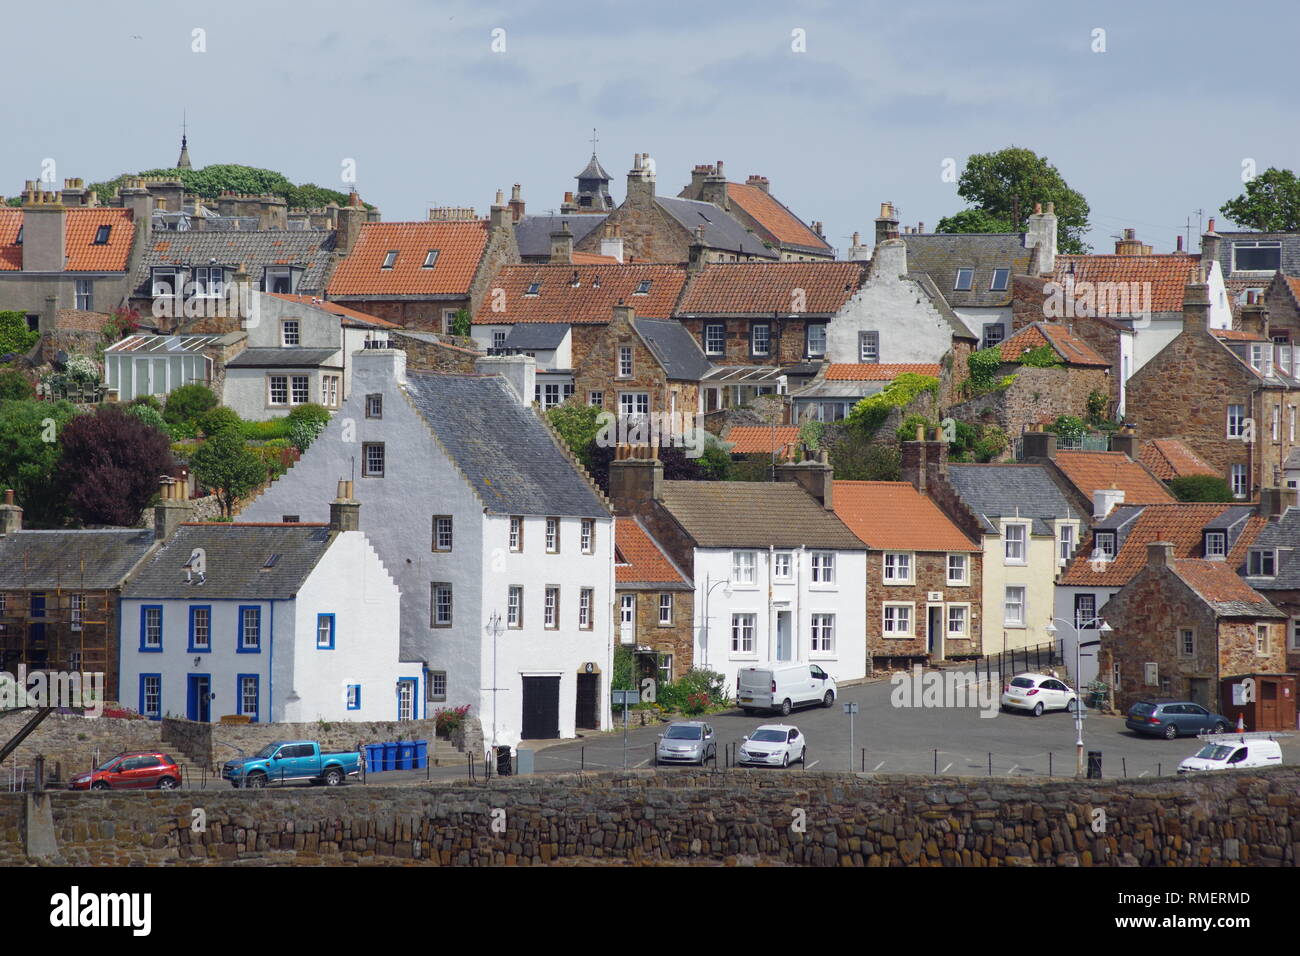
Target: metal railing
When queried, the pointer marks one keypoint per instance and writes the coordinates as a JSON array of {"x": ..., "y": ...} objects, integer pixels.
[{"x": 1009, "y": 662}]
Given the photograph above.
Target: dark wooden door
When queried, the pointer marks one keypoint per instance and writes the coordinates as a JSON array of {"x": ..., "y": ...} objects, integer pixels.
[
  {"x": 588, "y": 709},
  {"x": 541, "y": 718}
]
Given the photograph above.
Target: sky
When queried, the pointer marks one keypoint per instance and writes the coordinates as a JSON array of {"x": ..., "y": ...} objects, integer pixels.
[{"x": 842, "y": 105}]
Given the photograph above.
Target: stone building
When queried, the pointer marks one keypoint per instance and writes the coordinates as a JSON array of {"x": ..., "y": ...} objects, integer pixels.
[
  {"x": 831, "y": 394},
  {"x": 655, "y": 603},
  {"x": 1282, "y": 302}
]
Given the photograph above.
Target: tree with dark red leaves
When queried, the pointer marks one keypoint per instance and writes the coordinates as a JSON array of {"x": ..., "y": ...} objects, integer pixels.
[{"x": 110, "y": 466}]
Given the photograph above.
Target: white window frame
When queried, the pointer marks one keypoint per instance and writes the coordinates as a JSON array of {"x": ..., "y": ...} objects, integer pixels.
[
  {"x": 516, "y": 540},
  {"x": 962, "y": 632},
  {"x": 1007, "y": 604},
  {"x": 822, "y": 631},
  {"x": 743, "y": 627},
  {"x": 515, "y": 606},
  {"x": 587, "y": 537},
  {"x": 892, "y": 562},
  {"x": 823, "y": 568},
  {"x": 1240, "y": 481},
  {"x": 1219, "y": 554},
  {"x": 782, "y": 565},
  {"x": 909, "y": 619},
  {"x": 766, "y": 337},
  {"x": 551, "y": 608},
  {"x": 1260, "y": 557},
  {"x": 744, "y": 568},
  {"x": 586, "y": 597},
  {"x": 868, "y": 348},
  {"x": 1262, "y": 640},
  {"x": 1236, "y": 421},
  {"x": 1186, "y": 635},
  {"x": 1066, "y": 542},
  {"x": 962, "y": 579},
  {"x": 290, "y": 328},
  {"x": 552, "y": 535},
  {"x": 625, "y": 361},
  {"x": 1009, "y": 538},
  {"x": 714, "y": 346},
  {"x": 665, "y": 608}
]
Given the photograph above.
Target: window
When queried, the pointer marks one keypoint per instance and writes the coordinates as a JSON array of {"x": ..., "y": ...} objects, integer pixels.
[
  {"x": 627, "y": 610},
  {"x": 965, "y": 278},
  {"x": 898, "y": 567},
  {"x": 1216, "y": 545},
  {"x": 300, "y": 392},
  {"x": 760, "y": 338},
  {"x": 551, "y": 614},
  {"x": 868, "y": 348},
  {"x": 823, "y": 567},
  {"x": 534, "y": 288},
  {"x": 76, "y": 604},
  {"x": 1261, "y": 639},
  {"x": 665, "y": 668},
  {"x": 782, "y": 565},
  {"x": 1186, "y": 642},
  {"x": 516, "y": 533},
  {"x": 325, "y": 632},
  {"x": 994, "y": 333},
  {"x": 665, "y": 609},
  {"x": 329, "y": 391},
  {"x": 372, "y": 455},
  {"x": 375, "y": 406},
  {"x": 715, "y": 338},
  {"x": 587, "y": 538},
  {"x": 1236, "y": 421},
  {"x": 958, "y": 569},
  {"x": 515, "y": 606},
  {"x": 643, "y": 287},
  {"x": 390, "y": 259},
  {"x": 897, "y": 620},
  {"x": 1014, "y": 543},
  {"x": 435, "y": 685},
  {"x": 823, "y": 633},
  {"x": 625, "y": 361},
  {"x": 1104, "y": 543},
  {"x": 430, "y": 259},
  {"x": 1256, "y": 256},
  {"x": 633, "y": 403},
  {"x": 498, "y": 338},
  {"x": 1151, "y": 674},
  {"x": 200, "y": 630},
  {"x": 442, "y": 533},
  {"x": 1294, "y": 631},
  {"x": 584, "y": 608},
  {"x": 596, "y": 399},
  {"x": 279, "y": 390},
  {"x": 816, "y": 339},
  {"x": 1263, "y": 564},
  {"x": 101, "y": 235},
  {"x": 354, "y": 696},
  {"x": 441, "y": 594},
  {"x": 86, "y": 295},
  {"x": 742, "y": 567},
  {"x": 290, "y": 333},
  {"x": 999, "y": 281},
  {"x": 250, "y": 630},
  {"x": 1240, "y": 482},
  {"x": 166, "y": 282},
  {"x": 248, "y": 695},
  {"x": 742, "y": 633},
  {"x": 1065, "y": 542},
  {"x": 150, "y": 627},
  {"x": 1014, "y": 615},
  {"x": 151, "y": 695},
  {"x": 552, "y": 535},
  {"x": 957, "y": 620},
  {"x": 208, "y": 281},
  {"x": 282, "y": 279},
  {"x": 1085, "y": 612}
]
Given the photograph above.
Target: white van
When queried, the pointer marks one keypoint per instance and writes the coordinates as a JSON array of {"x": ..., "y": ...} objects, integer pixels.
[
  {"x": 782, "y": 687},
  {"x": 1233, "y": 752}
]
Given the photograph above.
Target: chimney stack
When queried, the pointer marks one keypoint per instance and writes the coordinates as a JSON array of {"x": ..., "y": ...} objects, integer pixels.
[
  {"x": 172, "y": 509},
  {"x": 345, "y": 511},
  {"x": 1037, "y": 446},
  {"x": 634, "y": 481},
  {"x": 815, "y": 477},
  {"x": 890, "y": 259},
  {"x": 45, "y": 228},
  {"x": 11, "y": 516},
  {"x": 612, "y": 245},
  {"x": 641, "y": 181},
  {"x": 499, "y": 217},
  {"x": 1159, "y": 553},
  {"x": 886, "y": 223},
  {"x": 1209, "y": 247},
  {"x": 1196, "y": 304},
  {"x": 516, "y": 204},
  {"x": 562, "y": 245},
  {"x": 759, "y": 182},
  {"x": 925, "y": 463},
  {"x": 519, "y": 371},
  {"x": 1041, "y": 234},
  {"x": 1254, "y": 317},
  {"x": 1130, "y": 245},
  {"x": 1126, "y": 441},
  {"x": 1180, "y": 244},
  {"x": 714, "y": 189},
  {"x": 350, "y": 219}
]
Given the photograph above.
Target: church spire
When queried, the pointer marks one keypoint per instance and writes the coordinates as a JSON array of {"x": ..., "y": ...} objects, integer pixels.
[{"x": 184, "y": 161}]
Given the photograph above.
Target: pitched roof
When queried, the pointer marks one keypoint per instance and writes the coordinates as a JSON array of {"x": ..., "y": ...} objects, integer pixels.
[
  {"x": 310, "y": 249},
  {"x": 1170, "y": 458},
  {"x": 721, "y": 230},
  {"x": 1167, "y": 274},
  {"x": 236, "y": 558},
  {"x": 508, "y": 456},
  {"x": 774, "y": 216},
  {"x": 878, "y": 371},
  {"x": 762, "y": 439},
  {"x": 1218, "y": 586},
  {"x": 591, "y": 302},
  {"x": 79, "y": 248},
  {"x": 533, "y": 233},
  {"x": 284, "y": 358},
  {"x": 674, "y": 346},
  {"x": 591, "y": 259},
  {"x": 459, "y": 246},
  {"x": 349, "y": 316},
  {"x": 751, "y": 514},
  {"x": 593, "y": 170},
  {"x": 536, "y": 335},
  {"x": 71, "y": 559},
  {"x": 1011, "y": 491},
  {"x": 174, "y": 343},
  {"x": 762, "y": 288},
  {"x": 1069, "y": 347},
  {"x": 893, "y": 515},
  {"x": 640, "y": 560},
  {"x": 1283, "y": 536},
  {"x": 1090, "y": 471},
  {"x": 940, "y": 255},
  {"x": 1237, "y": 335}
]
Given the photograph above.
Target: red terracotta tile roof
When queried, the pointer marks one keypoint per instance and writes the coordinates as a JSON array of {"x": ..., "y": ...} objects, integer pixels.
[
  {"x": 785, "y": 226},
  {"x": 761, "y": 439},
  {"x": 877, "y": 372},
  {"x": 460, "y": 247},
  {"x": 599, "y": 288},
  {"x": 82, "y": 223},
  {"x": 1167, "y": 273},
  {"x": 747, "y": 288},
  {"x": 335, "y": 308},
  {"x": 1216, "y": 582},
  {"x": 591, "y": 259},
  {"x": 1293, "y": 285},
  {"x": 1237, "y": 335},
  {"x": 1170, "y": 458},
  {"x": 639, "y": 558},
  {"x": 893, "y": 515},
  {"x": 1072, "y": 349},
  {"x": 1091, "y": 471}
]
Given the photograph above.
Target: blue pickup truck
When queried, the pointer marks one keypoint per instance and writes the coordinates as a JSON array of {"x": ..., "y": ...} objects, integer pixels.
[{"x": 291, "y": 761}]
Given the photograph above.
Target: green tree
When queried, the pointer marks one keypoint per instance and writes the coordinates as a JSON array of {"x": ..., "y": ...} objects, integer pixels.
[
  {"x": 974, "y": 220},
  {"x": 211, "y": 181},
  {"x": 1271, "y": 202},
  {"x": 856, "y": 457},
  {"x": 224, "y": 463},
  {"x": 14, "y": 334},
  {"x": 1200, "y": 488},
  {"x": 1005, "y": 185},
  {"x": 29, "y": 455},
  {"x": 217, "y": 419},
  {"x": 187, "y": 403},
  {"x": 461, "y": 323},
  {"x": 14, "y": 385},
  {"x": 578, "y": 425}
]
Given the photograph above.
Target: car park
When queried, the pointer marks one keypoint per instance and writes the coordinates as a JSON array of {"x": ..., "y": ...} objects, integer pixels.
[
  {"x": 773, "y": 745},
  {"x": 686, "y": 741},
  {"x": 1233, "y": 752},
  {"x": 1037, "y": 693},
  {"x": 782, "y": 687},
  {"x": 1170, "y": 718},
  {"x": 137, "y": 770}
]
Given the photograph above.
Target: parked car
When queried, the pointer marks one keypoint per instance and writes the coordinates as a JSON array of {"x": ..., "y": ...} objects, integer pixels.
[
  {"x": 686, "y": 741},
  {"x": 137, "y": 770},
  {"x": 1168, "y": 718},
  {"x": 773, "y": 745},
  {"x": 1229, "y": 752},
  {"x": 291, "y": 761},
  {"x": 1037, "y": 693},
  {"x": 781, "y": 688}
]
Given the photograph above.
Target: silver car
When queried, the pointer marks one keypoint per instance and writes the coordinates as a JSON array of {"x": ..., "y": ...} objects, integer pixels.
[{"x": 686, "y": 741}]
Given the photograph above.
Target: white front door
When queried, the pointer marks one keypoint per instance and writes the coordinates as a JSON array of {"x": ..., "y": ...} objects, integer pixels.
[
  {"x": 783, "y": 643},
  {"x": 627, "y": 618}
]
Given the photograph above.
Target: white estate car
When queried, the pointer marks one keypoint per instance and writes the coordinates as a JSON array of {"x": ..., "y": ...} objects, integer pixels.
[
  {"x": 1037, "y": 693},
  {"x": 773, "y": 745}
]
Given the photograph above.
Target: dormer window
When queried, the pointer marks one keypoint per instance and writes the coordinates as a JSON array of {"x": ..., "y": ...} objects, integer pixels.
[
  {"x": 19, "y": 240},
  {"x": 1216, "y": 545},
  {"x": 1000, "y": 278},
  {"x": 642, "y": 287},
  {"x": 1104, "y": 543},
  {"x": 965, "y": 279},
  {"x": 209, "y": 281},
  {"x": 430, "y": 258},
  {"x": 101, "y": 235},
  {"x": 1256, "y": 256},
  {"x": 166, "y": 281},
  {"x": 533, "y": 288},
  {"x": 390, "y": 259},
  {"x": 1262, "y": 563}
]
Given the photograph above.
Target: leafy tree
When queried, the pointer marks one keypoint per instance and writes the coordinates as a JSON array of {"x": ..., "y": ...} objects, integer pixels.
[
  {"x": 187, "y": 403},
  {"x": 110, "y": 465},
  {"x": 1200, "y": 488},
  {"x": 461, "y": 323},
  {"x": 1005, "y": 185},
  {"x": 311, "y": 196},
  {"x": 14, "y": 334},
  {"x": 578, "y": 425},
  {"x": 224, "y": 463},
  {"x": 14, "y": 385},
  {"x": 211, "y": 181},
  {"x": 306, "y": 422},
  {"x": 855, "y": 457},
  {"x": 29, "y": 456},
  {"x": 1271, "y": 203},
  {"x": 217, "y": 419}
]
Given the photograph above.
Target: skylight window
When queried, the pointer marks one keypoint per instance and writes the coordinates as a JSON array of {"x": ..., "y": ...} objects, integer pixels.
[
  {"x": 965, "y": 278},
  {"x": 430, "y": 258},
  {"x": 271, "y": 562},
  {"x": 1000, "y": 277},
  {"x": 19, "y": 240},
  {"x": 101, "y": 235},
  {"x": 533, "y": 288},
  {"x": 390, "y": 257},
  {"x": 642, "y": 287}
]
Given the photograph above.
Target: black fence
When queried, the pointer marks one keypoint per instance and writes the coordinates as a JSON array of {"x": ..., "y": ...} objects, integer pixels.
[{"x": 1035, "y": 658}]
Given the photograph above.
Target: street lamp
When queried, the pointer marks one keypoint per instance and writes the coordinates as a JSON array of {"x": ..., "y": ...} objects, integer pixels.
[
  {"x": 1078, "y": 701},
  {"x": 494, "y": 628},
  {"x": 708, "y": 589}
]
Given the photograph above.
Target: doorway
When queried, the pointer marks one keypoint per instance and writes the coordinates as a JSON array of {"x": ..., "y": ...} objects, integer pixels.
[
  {"x": 934, "y": 630},
  {"x": 784, "y": 648},
  {"x": 587, "y": 714},
  {"x": 198, "y": 698},
  {"x": 541, "y": 708}
]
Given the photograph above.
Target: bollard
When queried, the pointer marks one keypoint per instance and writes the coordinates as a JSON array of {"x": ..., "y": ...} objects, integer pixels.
[
  {"x": 936, "y": 761},
  {"x": 990, "y": 765},
  {"x": 1049, "y": 763}
]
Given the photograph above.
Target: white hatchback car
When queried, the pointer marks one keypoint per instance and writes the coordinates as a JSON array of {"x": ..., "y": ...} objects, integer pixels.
[
  {"x": 773, "y": 745},
  {"x": 1037, "y": 693}
]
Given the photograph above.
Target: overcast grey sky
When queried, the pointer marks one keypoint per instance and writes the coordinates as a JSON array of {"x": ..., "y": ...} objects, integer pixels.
[{"x": 1149, "y": 131}]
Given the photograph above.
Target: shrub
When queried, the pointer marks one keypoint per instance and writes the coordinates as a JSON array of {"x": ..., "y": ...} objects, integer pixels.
[
  {"x": 264, "y": 431},
  {"x": 305, "y": 423},
  {"x": 448, "y": 719},
  {"x": 14, "y": 334},
  {"x": 110, "y": 465},
  {"x": 870, "y": 413},
  {"x": 150, "y": 400},
  {"x": 215, "y": 419},
  {"x": 187, "y": 403},
  {"x": 82, "y": 371},
  {"x": 1042, "y": 357},
  {"x": 984, "y": 366},
  {"x": 1200, "y": 488},
  {"x": 14, "y": 385},
  {"x": 149, "y": 415},
  {"x": 1069, "y": 426}
]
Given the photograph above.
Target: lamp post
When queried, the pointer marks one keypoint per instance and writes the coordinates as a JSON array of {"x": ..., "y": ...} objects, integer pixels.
[
  {"x": 1078, "y": 701},
  {"x": 494, "y": 628},
  {"x": 708, "y": 589}
]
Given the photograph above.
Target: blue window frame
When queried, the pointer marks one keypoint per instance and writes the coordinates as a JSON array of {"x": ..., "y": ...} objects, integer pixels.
[
  {"x": 248, "y": 638},
  {"x": 151, "y": 696},
  {"x": 200, "y": 629},
  {"x": 354, "y": 696},
  {"x": 408, "y": 698},
  {"x": 151, "y": 625},
  {"x": 325, "y": 632},
  {"x": 248, "y": 695}
]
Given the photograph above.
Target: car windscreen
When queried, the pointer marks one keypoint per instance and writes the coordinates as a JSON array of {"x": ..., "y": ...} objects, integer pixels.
[
  {"x": 1022, "y": 682},
  {"x": 266, "y": 751},
  {"x": 684, "y": 733},
  {"x": 1214, "y": 752},
  {"x": 1143, "y": 709},
  {"x": 108, "y": 763},
  {"x": 769, "y": 736}
]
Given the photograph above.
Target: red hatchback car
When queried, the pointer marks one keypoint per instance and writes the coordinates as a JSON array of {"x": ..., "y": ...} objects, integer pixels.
[{"x": 138, "y": 770}]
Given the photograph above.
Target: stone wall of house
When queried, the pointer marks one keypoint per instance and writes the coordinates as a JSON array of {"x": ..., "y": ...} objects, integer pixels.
[
  {"x": 595, "y": 367},
  {"x": 71, "y": 341},
  {"x": 211, "y": 745},
  {"x": 677, "y": 638},
  {"x": 686, "y": 817},
  {"x": 929, "y": 574},
  {"x": 434, "y": 356},
  {"x": 649, "y": 234},
  {"x": 1036, "y": 395},
  {"x": 788, "y": 345},
  {"x": 418, "y": 315},
  {"x": 502, "y": 249}
]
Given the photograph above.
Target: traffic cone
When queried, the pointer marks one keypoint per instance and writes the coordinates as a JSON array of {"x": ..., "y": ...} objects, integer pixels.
[{"x": 1241, "y": 724}]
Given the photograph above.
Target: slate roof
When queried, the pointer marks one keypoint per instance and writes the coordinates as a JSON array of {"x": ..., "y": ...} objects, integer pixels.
[
  {"x": 533, "y": 233},
  {"x": 750, "y": 514},
  {"x": 894, "y": 516},
  {"x": 674, "y": 347},
  {"x": 774, "y": 216},
  {"x": 1283, "y": 536},
  {"x": 235, "y": 556},
  {"x": 763, "y": 288},
  {"x": 460, "y": 246},
  {"x": 1218, "y": 586},
  {"x": 760, "y": 439},
  {"x": 591, "y": 302},
  {"x": 721, "y": 230},
  {"x": 940, "y": 255},
  {"x": 639, "y": 561},
  {"x": 1170, "y": 458},
  {"x": 1011, "y": 491},
  {"x": 79, "y": 248},
  {"x": 312, "y": 249},
  {"x": 878, "y": 371},
  {"x": 502, "y": 448},
  {"x": 284, "y": 358},
  {"x": 536, "y": 335},
  {"x": 593, "y": 170},
  {"x": 1069, "y": 347},
  {"x": 71, "y": 559},
  {"x": 1167, "y": 273},
  {"x": 1090, "y": 471}
]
